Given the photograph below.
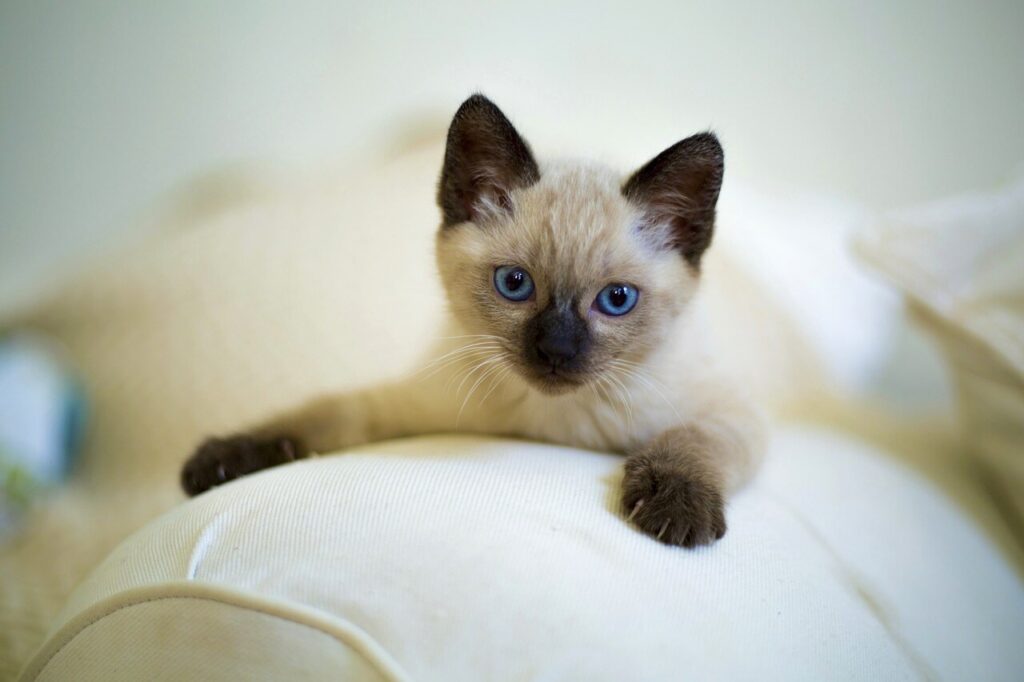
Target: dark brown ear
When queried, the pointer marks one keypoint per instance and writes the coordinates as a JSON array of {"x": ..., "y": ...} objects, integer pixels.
[
  {"x": 679, "y": 188},
  {"x": 484, "y": 161}
]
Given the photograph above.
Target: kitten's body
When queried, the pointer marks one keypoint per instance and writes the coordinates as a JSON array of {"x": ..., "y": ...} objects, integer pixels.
[{"x": 555, "y": 366}]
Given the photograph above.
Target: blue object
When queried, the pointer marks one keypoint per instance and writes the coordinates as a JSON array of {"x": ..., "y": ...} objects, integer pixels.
[{"x": 42, "y": 415}]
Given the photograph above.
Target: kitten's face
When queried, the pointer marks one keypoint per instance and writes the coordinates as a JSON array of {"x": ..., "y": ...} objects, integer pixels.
[
  {"x": 573, "y": 249},
  {"x": 571, "y": 279}
]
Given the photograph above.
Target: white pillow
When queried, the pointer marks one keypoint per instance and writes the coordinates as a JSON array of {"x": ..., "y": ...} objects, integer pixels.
[{"x": 961, "y": 263}]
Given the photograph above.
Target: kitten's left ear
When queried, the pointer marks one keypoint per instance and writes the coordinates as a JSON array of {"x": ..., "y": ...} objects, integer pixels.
[
  {"x": 679, "y": 188},
  {"x": 484, "y": 161}
]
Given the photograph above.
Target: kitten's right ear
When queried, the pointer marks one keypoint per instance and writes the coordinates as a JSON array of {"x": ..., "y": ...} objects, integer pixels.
[{"x": 484, "y": 161}]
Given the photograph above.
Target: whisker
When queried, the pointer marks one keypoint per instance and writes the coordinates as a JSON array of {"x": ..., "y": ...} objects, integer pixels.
[
  {"x": 601, "y": 382},
  {"x": 460, "y": 349},
  {"x": 648, "y": 381},
  {"x": 495, "y": 366},
  {"x": 457, "y": 356},
  {"x": 463, "y": 359},
  {"x": 625, "y": 396},
  {"x": 497, "y": 381},
  {"x": 489, "y": 360},
  {"x": 463, "y": 369},
  {"x": 637, "y": 373},
  {"x": 472, "y": 336}
]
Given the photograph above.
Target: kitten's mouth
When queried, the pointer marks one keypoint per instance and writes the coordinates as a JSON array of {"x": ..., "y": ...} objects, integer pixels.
[{"x": 553, "y": 380}]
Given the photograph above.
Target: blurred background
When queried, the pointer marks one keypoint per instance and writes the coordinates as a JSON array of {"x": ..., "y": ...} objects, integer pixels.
[{"x": 108, "y": 108}]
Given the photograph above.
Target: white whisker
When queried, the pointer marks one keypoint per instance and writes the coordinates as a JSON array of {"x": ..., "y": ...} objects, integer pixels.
[
  {"x": 601, "y": 381},
  {"x": 496, "y": 365},
  {"x": 489, "y": 360},
  {"x": 496, "y": 381},
  {"x": 625, "y": 396},
  {"x": 647, "y": 380},
  {"x": 458, "y": 356},
  {"x": 472, "y": 336},
  {"x": 459, "y": 350}
]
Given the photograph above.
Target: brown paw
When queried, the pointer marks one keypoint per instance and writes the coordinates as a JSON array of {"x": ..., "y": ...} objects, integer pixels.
[
  {"x": 219, "y": 460},
  {"x": 671, "y": 503}
]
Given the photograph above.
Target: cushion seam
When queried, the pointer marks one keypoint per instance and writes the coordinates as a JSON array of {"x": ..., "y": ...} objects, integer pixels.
[{"x": 351, "y": 636}]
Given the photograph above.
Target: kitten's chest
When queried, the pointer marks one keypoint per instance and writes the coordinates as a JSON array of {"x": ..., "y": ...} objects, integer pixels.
[
  {"x": 597, "y": 422},
  {"x": 613, "y": 414}
]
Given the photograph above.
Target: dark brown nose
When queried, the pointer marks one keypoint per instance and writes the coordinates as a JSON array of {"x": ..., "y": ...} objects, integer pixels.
[
  {"x": 560, "y": 337},
  {"x": 557, "y": 349}
]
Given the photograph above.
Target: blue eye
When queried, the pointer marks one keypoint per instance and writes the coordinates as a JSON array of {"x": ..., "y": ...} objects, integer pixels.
[
  {"x": 617, "y": 299},
  {"x": 513, "y": 282}
]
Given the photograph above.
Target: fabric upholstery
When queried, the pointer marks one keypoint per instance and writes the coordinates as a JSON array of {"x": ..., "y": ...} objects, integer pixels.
[{"x": 468, "y": 559}]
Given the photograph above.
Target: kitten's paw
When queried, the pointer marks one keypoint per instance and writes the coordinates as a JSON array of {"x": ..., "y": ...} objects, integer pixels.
[
  {"x": 219, "y": 460},
  {"x": 671, "y": 503}
]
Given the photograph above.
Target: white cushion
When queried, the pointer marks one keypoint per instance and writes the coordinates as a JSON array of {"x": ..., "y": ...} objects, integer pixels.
[
  {"x": 961, "y": 263},
  {"x": 466, "y": 559}
]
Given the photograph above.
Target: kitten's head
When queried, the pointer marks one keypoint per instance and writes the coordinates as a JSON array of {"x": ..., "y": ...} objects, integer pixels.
[{"x": 570, "y": 269}]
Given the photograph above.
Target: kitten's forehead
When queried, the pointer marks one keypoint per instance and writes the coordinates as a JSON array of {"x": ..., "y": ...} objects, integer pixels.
[
  {"x": 577, "y": 191},
  {"x": 576, "y": 223}
]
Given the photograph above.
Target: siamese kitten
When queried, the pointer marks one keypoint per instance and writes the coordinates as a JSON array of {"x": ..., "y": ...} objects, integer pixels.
[{"x": 571, "y": 295}]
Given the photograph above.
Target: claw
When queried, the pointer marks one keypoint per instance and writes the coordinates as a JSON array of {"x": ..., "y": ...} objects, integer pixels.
[
  {"x": 221, "y": 474},
  {"x": 636, "y": 508},
  {"x": 664, "y": 528}
]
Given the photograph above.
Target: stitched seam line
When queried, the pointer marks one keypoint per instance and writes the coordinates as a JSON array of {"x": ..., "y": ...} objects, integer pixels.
[{"x": 344, "y": 633}]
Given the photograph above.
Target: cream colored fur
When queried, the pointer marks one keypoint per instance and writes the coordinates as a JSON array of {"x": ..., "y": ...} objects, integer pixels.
[{"x": 653, "y": 370}]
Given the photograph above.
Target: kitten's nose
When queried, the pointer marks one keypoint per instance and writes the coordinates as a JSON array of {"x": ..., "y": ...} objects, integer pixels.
[
  {"x": 556, "y": 349},
  {"x": 560, "y": 337}
]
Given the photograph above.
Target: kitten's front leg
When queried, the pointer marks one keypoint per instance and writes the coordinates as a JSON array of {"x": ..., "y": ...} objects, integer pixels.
[
  {"x": 322, "y": 425},
  {"x": 675, "y": 486}
]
